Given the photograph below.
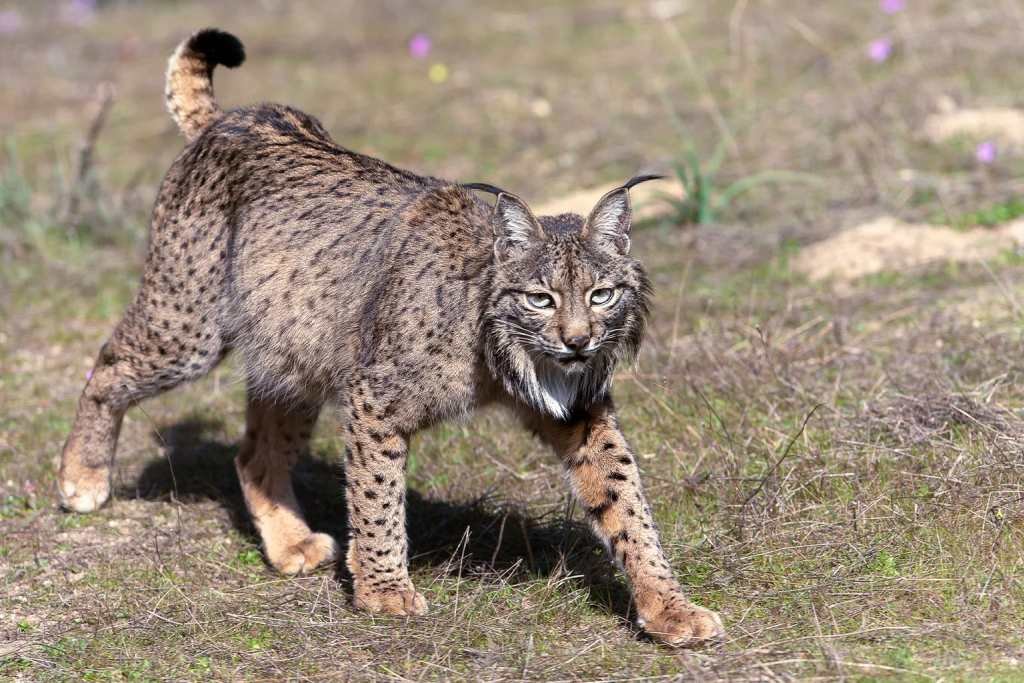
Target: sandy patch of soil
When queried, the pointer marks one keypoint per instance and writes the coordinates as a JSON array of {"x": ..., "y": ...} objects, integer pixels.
[
  {"x": 889, "y": 244},
  {"x": 1003, "y": 124}
]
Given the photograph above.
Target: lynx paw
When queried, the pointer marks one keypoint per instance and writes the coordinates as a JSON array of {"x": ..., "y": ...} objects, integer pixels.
[
  {"x": 306, "y": 555},
  {"x": 402, "y": 602},
  {"x": 684, "y": 625},
  {"x": 84, "y": 489}
]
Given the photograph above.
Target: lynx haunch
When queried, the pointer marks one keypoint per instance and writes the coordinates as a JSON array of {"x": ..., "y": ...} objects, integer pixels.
[{"x": 397, "y": 299}]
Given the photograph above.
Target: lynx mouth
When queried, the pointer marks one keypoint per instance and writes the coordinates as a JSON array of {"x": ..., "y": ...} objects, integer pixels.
[
  {"x": 567, "y": 355},
  {"x": 575, "y": 362}
]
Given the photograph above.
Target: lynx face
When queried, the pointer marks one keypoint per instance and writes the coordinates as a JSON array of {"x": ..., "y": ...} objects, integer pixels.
[{"x": 569, "y": 302}]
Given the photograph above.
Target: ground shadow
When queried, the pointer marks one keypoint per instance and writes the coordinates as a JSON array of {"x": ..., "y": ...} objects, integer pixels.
[{"x": 478, "y": 538}]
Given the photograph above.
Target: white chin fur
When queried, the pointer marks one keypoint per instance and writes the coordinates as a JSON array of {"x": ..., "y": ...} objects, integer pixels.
[
  {"x": 547, "y": 388},
  {"x": 554, "y": 389}
]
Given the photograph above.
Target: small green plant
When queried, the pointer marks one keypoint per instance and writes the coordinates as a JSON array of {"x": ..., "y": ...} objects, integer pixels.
[
  {"x": 73, "y": 520},
  {"x": 201, "y": 665},
  {"x": 902, "y": 657},
  {"x": 703, "y": 201},
  {"x": 14, "y": 506},
  {"x": 12, "y": 665},
  {"x": 259, "y": 639},
  {"x": 883, "y": 564},
  {"x": 250, "y": 557},
  {"x": 66, "y": 647},
  {"x": 988, "y": 216}
]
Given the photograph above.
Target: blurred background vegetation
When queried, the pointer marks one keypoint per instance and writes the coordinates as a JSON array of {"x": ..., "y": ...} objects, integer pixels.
[{"x": 882, "y": 540}]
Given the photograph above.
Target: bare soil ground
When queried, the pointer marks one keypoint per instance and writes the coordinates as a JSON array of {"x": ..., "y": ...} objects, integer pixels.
[
  {"x": 839, "y": 472},
  {"x": 887, "y": 244}
]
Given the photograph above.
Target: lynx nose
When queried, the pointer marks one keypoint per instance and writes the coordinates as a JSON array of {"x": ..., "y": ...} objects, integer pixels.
[{"x": 577, "y": 342}]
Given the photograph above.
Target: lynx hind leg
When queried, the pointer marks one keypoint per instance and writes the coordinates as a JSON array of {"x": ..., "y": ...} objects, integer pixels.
[
  {"x": 147, "y": 354},
  {"x": 275, "y": 437}
]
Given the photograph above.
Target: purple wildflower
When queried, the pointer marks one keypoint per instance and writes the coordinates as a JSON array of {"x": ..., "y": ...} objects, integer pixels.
[
  {"x": 10, "y": 22},
  {"x": 986, "y": 152},
  {"x": 892, "y": 6},
  {"x": 419, "y": 46},
  {"x": 880, "y": 50}
]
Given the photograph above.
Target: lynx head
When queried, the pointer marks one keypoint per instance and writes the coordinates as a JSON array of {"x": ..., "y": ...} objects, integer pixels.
[{"x": 568, "y": 301}]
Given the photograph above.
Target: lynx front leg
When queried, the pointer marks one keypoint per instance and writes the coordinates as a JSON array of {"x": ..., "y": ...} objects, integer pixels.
[
  {"x": 375, "y": 494},
  {"x": 606, "y": 479}
]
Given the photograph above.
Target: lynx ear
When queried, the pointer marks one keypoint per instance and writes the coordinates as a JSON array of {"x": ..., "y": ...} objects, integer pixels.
[
  {"x": 513, "y": 223},
  {"x": 611, "y": 219}
]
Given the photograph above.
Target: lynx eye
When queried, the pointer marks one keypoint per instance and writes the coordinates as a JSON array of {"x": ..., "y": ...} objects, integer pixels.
[
  {"x": 540, "y": 300},
  {"x": 600, "y": 297}
]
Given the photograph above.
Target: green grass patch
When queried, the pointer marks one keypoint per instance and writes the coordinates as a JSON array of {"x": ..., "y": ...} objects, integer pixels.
[{"x": 987, "y": 216}]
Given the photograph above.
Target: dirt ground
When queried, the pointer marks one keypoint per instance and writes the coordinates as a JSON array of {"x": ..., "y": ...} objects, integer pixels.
[{"x": 827, "y": 410}]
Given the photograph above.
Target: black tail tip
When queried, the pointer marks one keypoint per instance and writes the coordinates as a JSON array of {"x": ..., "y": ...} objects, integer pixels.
[{"x": 219, "y": 47}]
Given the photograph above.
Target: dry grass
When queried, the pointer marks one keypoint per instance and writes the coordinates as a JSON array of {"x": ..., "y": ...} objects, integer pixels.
[{"x": 839, "y": 474}]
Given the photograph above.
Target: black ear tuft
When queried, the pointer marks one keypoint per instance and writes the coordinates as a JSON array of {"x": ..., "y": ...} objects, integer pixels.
[
  {"x": 484, "y": 187},
  {"x": 636, "y": 180}
]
